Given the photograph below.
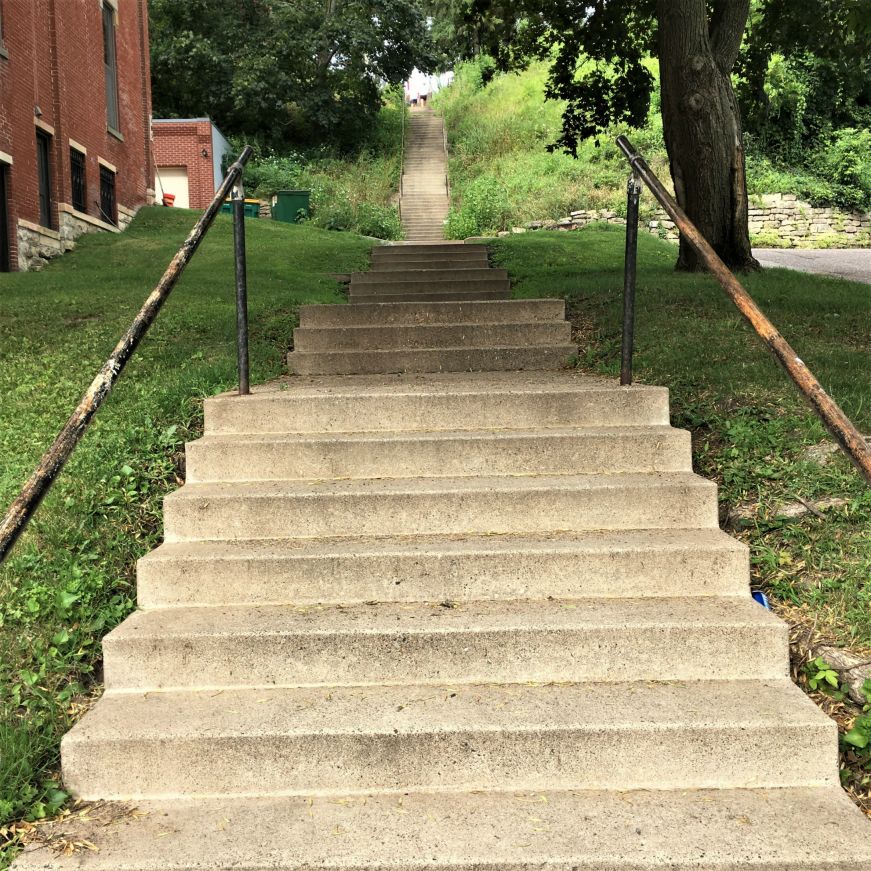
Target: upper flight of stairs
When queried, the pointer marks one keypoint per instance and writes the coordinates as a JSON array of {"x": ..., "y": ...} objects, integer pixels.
[
  {"x": 424, "y": 200},
  {"x": 431, "y": 308},
  {"x": 431, "y": 619}
]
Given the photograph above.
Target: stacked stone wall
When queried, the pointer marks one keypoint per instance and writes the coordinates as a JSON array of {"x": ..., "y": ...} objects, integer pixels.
[{"x": 776, "y": 221}]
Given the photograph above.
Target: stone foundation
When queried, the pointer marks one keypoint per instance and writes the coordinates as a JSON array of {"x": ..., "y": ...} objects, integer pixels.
[{"x": 37, "y": 245}]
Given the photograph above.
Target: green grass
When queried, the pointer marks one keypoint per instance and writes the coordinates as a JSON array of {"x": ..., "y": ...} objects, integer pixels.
[
  {"x": 71, "y": 577},
  {"x": 751, "y": 429}
]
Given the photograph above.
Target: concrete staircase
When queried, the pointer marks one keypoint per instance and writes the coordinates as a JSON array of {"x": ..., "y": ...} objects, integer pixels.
[
  {"x": 424, "y": 201},
  {"x": 449, "y": 620},
  {"x": 431, "y": 308}
]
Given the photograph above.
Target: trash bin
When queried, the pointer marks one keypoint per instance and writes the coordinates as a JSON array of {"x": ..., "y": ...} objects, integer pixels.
[
  {"x": 251, "y": 209},
  {"x": 287, "y": 205}
]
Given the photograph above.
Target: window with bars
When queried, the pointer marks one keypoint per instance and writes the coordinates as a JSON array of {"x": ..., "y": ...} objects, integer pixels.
[
  {"x": 77, "y": 173},
  {"x": 111, "y": 67},
  {"x": 108, "y": 206},
  {"x": 43, "y": 172}
]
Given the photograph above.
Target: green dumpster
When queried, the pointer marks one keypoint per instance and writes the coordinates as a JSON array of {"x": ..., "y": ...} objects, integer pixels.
[
  {"x": 251, "y": 209},
  {"x": 288, "y": 206}
]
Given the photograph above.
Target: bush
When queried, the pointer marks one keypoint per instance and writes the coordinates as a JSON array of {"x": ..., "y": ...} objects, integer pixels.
[
  {"x": 382, "y": 222},
  {"x": 846, "y": 162}
]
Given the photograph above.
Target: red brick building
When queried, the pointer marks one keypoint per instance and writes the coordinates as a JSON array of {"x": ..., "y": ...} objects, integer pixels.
[
  {"x": 188, "y": 154},
  {"x": 75, "y": 107}
]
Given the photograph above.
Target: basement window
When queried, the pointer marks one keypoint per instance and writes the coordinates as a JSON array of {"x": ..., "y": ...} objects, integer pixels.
[
  {"x": 79, "y": 182},
  {"x": 108, "y": 205}
]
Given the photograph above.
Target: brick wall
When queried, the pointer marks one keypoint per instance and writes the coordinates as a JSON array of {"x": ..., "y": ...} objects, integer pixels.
[
  {"x": 53, "y": 59},
  {"x": 187, "y": 144}
]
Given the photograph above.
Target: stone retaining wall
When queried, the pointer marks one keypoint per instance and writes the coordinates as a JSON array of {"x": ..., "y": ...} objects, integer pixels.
[{"x": 776, "y": 221}]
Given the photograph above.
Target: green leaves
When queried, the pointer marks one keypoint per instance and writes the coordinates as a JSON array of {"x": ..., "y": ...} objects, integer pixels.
[{"x": 306, "y": 72}]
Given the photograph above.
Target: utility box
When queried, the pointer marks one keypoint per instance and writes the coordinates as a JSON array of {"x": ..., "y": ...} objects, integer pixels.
[
  {"x": 251, "y": 208},
  {"x": 288, "y": 206}
]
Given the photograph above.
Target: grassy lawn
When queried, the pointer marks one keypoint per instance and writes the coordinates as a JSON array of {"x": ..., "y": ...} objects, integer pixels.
[
  {"x": 752, "y": 432},
  {"x": 71, "y": 577}
]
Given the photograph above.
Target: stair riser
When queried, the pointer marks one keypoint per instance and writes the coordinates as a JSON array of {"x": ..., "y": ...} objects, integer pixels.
[
  {"x": 665, "y": 506},
  {"x": 402, "y": 276},
  {"x": 473, "y": 410},
  {"x": 415, "y": 314},
  {"x": 446, "y": 336},
  {"x": 404, "y": 250},
  {"x": 626, "y": 756},
  {"x": 559, "y": 455},
  {"x": 435, "y": 296},
  {"x": 440, "y": 576},
  {"x": 725, "y": 652},
  {"x": 383, "y": 287},
  {"x": 453, "y": 261},
  {"x": 431, "y": 360}
]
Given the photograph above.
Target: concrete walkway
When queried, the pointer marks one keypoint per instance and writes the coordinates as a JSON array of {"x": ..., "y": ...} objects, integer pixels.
[{"x": 853, "y": 263}]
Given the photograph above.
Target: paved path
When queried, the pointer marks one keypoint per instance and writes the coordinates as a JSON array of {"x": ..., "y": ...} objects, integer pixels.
[{"x": 853, "y": 263}]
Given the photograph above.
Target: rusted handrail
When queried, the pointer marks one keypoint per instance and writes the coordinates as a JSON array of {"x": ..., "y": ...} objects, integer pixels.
[
  {"x": 55, "y": 457},
  {"x": 838, "y": 424}
]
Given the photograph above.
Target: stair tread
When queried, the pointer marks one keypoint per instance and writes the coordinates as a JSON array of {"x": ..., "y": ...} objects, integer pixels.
[
  {"x": 478, "y": 484},
  {"x": 128, "y": 717},
  {"x": 426, "y": 618},
  {"x": 792, "y": 829},
  {"x": 414, "y": 435},
  {"x": 605, "y": 541}
]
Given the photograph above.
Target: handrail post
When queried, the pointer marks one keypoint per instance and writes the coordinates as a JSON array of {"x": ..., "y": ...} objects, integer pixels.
[
  {"x": 633, "y": 190},
  {"x": 238, "y": 199}
]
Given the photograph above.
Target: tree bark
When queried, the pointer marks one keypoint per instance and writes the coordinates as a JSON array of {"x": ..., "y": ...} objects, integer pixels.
[{"x": 702, "y": 123}]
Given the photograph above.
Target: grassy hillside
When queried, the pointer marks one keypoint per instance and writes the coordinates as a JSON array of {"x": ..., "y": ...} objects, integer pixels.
[
  {"x": 348, "y": 192},
  {"x": 71, "y": 577},
  {"x": 503, "y": 176}
]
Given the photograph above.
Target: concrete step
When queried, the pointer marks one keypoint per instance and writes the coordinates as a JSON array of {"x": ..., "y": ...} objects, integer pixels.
[
  {"x": 439, "y": 506},
  {"x": 450, "y": 401},
  {"x": 412, "y": 313},
  {"x": 632, "y": 563},
  {"x": 643, "y": 735},
  {"x": 386, "y": 286},
  {"x": 559, "y": 640},
  {"x": 570, "y": 830},
  {"x": 441, "y": 359},
  {"x": 480, "y": 335},
  {"x": 451, "y": 261},
  {"x": 403, "y": 249},
  {"x": 435, "y": 296},
  {"x": 430, "y": 276},
  {"x": 277, "y": 457}
]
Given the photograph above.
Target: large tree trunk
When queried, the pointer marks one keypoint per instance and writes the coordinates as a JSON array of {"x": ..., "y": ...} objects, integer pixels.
[{"x": 702, "y": 123}]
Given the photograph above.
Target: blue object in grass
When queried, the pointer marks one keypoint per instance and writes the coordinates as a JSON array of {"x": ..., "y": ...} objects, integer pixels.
[{"x": 762, "y": 599}]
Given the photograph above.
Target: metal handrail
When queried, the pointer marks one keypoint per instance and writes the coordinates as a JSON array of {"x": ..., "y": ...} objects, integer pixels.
[
  {"x": 838, "y": 424},
  {"x": 54, "y": 459},
  {"x": 447, "y": 161},
  {"x": 402, "y": 154}
]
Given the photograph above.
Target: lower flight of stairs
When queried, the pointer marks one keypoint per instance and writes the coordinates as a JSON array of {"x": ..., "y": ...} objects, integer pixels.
[{"x": 449, "y": 621}]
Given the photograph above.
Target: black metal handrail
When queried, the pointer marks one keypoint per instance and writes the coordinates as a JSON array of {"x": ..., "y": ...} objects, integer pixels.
[
  {"x": 838, "y": 424},
  {"x": 55, "y": 457}
]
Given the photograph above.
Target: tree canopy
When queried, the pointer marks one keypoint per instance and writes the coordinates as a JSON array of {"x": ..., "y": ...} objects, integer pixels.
[{"x": 285, "y": 72}]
